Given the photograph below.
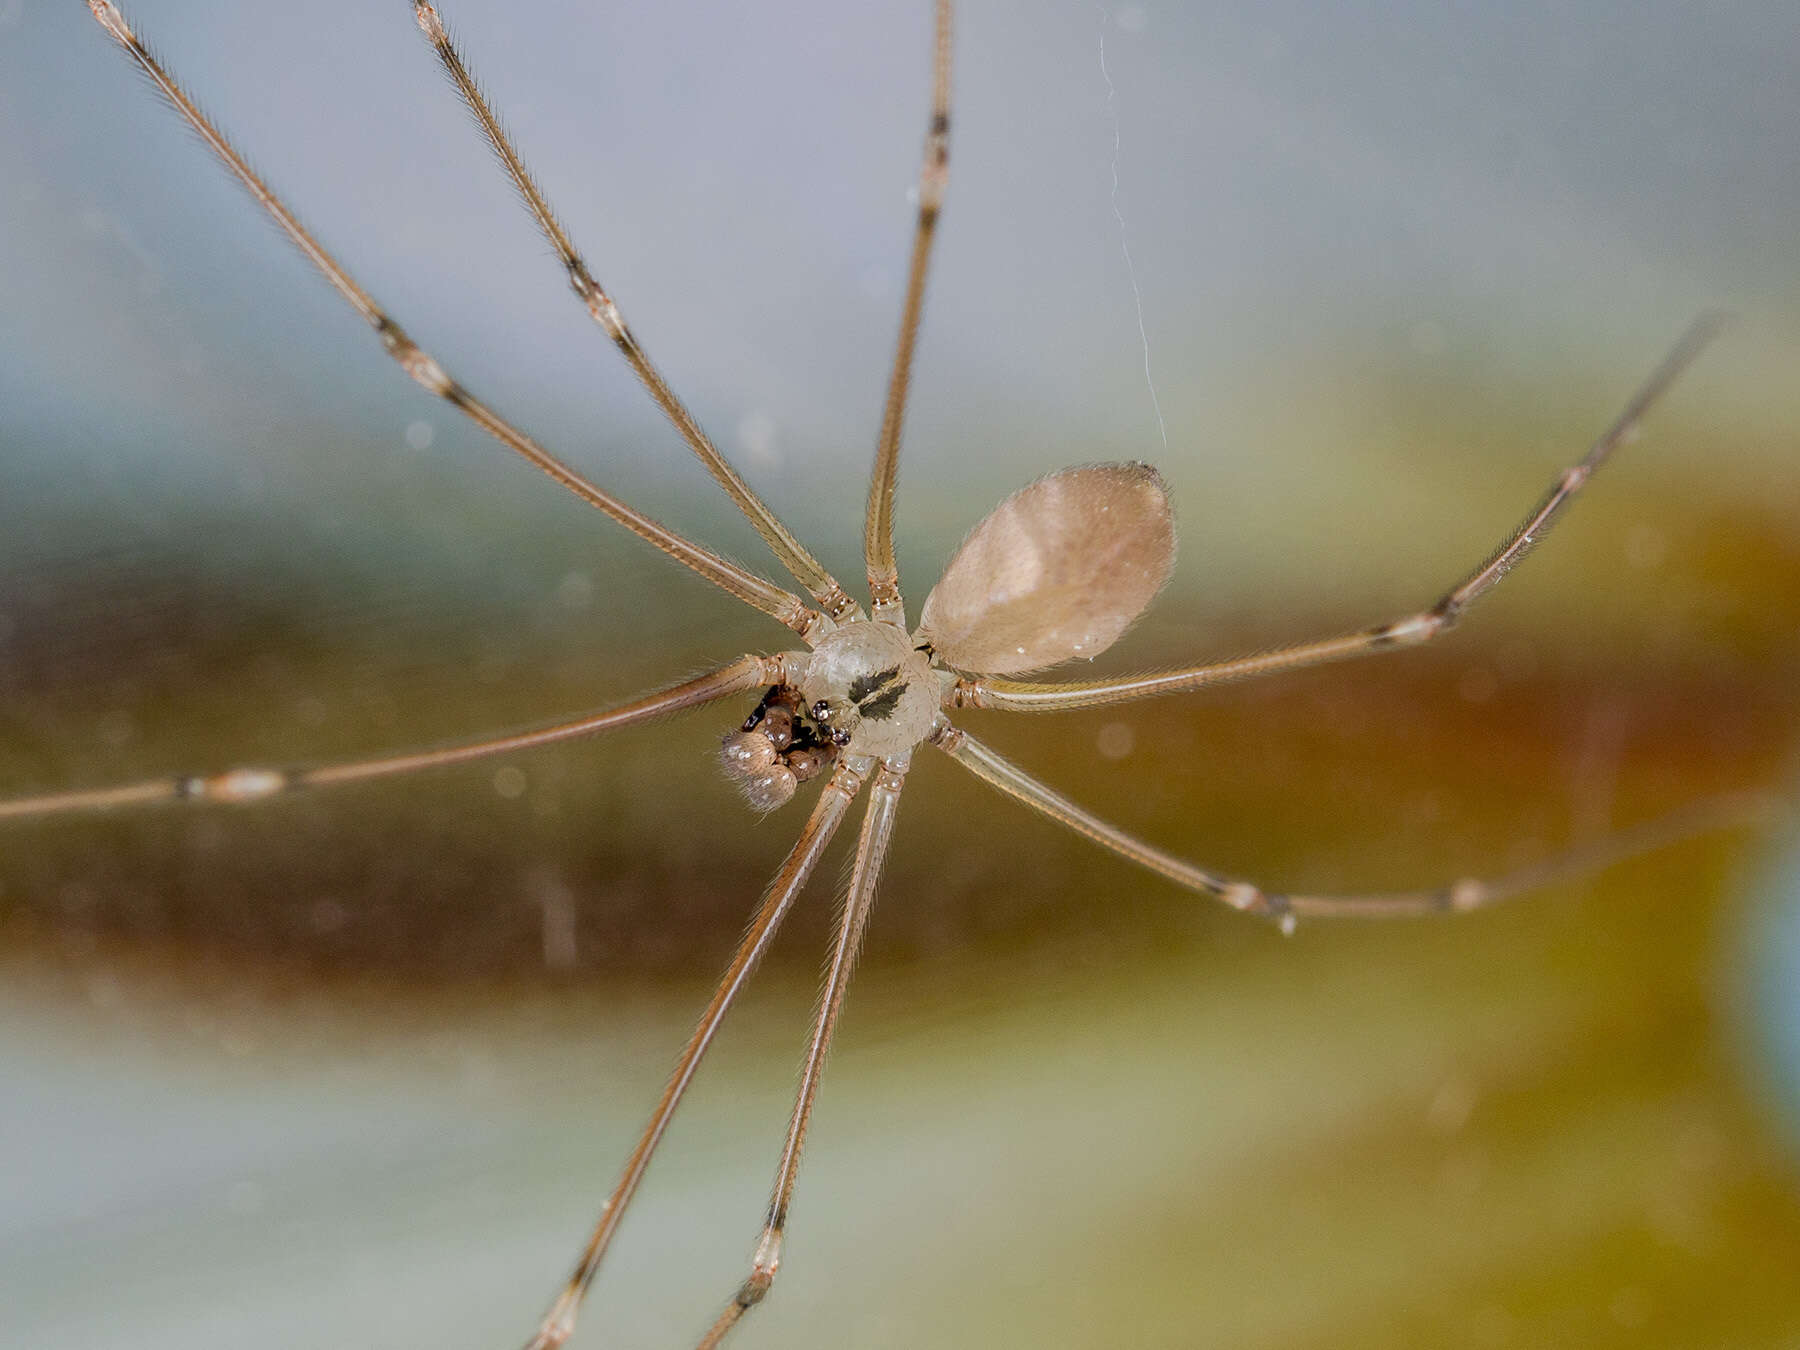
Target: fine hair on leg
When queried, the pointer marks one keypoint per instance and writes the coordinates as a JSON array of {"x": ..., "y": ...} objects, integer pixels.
[
  {"x": 827, "y": 814},
  {"x": 865, "y": 874},
  {"x": 1710, "y": 814},
  {"x": 1023, "y": 696}
]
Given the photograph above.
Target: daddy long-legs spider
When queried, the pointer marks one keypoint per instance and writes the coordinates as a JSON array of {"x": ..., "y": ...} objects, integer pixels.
[{"x": 636, "y": 308}]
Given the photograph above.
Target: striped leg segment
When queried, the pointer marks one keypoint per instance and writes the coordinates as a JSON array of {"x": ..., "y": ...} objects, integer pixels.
[
  {"x": 1411, "y": 631},
  {"x": 871, "y": 851},
  {"x": 241, "y": 785},
  {"x": 756, "y": 591},
  {"x": 1703, "y": 817},
  {"x": 828, "y": 813},
  {"x": 793, "y": 555}
]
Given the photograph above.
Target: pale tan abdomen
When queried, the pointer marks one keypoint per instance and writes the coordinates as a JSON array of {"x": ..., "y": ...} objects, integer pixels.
[{"x": 1058, "y": 570}]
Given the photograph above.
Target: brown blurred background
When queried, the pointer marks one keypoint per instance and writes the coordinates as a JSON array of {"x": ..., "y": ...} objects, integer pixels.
[{"x": 357, "y": 1068}]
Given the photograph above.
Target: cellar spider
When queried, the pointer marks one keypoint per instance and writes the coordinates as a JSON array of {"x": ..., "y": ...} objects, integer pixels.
[{"x": 1057, "y": 571}]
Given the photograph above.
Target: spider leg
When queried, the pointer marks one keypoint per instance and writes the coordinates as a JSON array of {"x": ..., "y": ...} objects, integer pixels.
[
  {"x": 828, "y": 812},
  {"x": 804, "y": 568},
  {"x": 1410, "y": 631},
  {"x": 1702, "y": 817},
  {"x": 934, "y": 174},
  {"x": 756, "y": 591},
  {"x": 871, "y": 850},
  {"x": 249, "y": 784}
]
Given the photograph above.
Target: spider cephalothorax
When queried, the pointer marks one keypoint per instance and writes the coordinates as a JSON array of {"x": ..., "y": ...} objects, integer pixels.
[
  {"x": 867, "y": 692},
  {"x": 869, "y": 682}
]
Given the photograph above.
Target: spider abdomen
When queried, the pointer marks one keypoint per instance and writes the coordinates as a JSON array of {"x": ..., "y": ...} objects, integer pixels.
[{"x": 1059, "y": 569}]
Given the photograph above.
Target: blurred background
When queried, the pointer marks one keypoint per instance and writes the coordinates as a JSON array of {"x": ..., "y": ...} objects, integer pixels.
[{"x": 357, "y": 1068}]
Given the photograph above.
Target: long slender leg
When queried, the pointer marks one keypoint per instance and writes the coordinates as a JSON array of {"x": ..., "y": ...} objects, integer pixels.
[
  {"x": 1703, "y": 817},
  {"x": 846, "y": 781},
  {"x": 255, "y": 784},
  {"x": 805, "y": 568},
  {"x": 871, "y": 850},
  {"x": 752, "y": 589},
  {"x": 934, "y": 174},
  {"x": 1021, "y": 696}
]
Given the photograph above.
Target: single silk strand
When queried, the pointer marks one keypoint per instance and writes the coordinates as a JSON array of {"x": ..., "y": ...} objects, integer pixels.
[{"x": 1137, "y": 294}]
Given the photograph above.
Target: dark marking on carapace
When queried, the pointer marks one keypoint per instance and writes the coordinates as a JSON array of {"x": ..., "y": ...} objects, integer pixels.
[
  {"x": 864, "y": 685},
  {"x": 882, "y": 706}
]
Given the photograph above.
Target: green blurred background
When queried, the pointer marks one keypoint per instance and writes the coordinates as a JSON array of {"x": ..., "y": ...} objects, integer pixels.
[{"x": 356, "y": 1069}]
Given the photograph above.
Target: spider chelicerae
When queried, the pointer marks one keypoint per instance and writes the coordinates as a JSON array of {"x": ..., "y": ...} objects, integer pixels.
[{"x": 1058, "y": 571}]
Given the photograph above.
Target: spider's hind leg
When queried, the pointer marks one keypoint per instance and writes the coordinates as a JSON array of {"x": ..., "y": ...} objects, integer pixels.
[{"x": 1737, "y": 810}]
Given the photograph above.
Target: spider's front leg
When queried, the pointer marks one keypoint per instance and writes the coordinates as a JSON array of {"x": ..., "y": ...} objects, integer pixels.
[
  {"x": 885, "y": 603},
  {"x": 249, "y": 783},
  {"x": 828, "y": 813},
  {"x": 871, "y": 850}
]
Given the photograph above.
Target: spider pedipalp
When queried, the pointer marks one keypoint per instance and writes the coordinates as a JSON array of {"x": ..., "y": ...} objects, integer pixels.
[{"x": 779, "y": 746}]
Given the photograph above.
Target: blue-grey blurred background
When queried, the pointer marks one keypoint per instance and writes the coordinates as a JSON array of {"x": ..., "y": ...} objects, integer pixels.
[{"x": 357, "y": 1069}]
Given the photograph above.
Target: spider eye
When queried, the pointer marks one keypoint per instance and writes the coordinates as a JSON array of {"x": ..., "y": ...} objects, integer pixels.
[{"x": 1058, "y": 570}]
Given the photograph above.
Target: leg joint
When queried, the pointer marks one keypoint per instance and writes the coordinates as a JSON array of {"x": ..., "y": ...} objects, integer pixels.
[
  {"x": 1415, "y": 628},
  {"x": 963, "y": 693},
  {"x": 763, "y": 1267}
]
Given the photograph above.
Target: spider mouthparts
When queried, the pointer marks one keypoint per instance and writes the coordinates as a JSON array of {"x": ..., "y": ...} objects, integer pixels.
[{"x": 777, "y": 749}]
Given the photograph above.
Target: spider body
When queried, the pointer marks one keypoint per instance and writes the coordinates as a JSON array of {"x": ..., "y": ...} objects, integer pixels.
[{"x": 1056, "y": 572}]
